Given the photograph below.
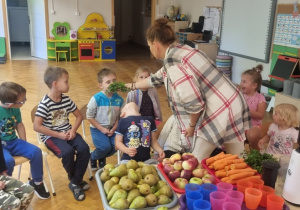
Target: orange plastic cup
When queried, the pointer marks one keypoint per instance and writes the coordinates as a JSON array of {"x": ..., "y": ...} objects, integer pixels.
[
  {"x": 266, "y": 190},
  {"x": 242, "y": 185},
  {"x": 274, "y": 202},
  {"x": 252, "y": 198},
  {"x": 256, "y": 182}
]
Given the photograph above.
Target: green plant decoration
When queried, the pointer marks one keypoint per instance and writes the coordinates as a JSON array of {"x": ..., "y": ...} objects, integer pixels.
[{"x": 118, "y": 86}]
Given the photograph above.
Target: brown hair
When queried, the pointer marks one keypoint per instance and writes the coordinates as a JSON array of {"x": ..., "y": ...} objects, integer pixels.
[
  {"x": 53, "y": 73},
  {"x": 161, "y": 32},
  {"x": 104, "y": 72},
  {"x": 289, "y": 114},
  {"x": 10, "y": 91},
  {"x": 255, "y": 73},
  {"x": 141, "y": 70}
]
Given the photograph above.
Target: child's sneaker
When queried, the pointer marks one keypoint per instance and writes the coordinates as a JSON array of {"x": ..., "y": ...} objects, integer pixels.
[
  {"x": 102, "y": 162},
  {"x": 39, "y": 190},
  {"x": 94, "y": 165}
]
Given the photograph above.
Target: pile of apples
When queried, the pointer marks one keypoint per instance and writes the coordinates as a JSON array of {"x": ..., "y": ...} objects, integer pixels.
[{"x": 184, "y": 169}]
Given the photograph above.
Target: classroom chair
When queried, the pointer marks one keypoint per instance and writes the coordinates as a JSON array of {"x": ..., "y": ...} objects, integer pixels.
[{"x": 19, "y": 160}]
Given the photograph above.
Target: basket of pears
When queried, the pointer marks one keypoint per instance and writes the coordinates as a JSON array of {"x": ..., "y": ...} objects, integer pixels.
[{"x": 134, "y": 185}]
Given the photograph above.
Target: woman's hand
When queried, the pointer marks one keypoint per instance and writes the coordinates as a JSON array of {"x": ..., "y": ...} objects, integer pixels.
[
  {"x": 2, "y": 185},
  {"x": 190, "y": 131}
]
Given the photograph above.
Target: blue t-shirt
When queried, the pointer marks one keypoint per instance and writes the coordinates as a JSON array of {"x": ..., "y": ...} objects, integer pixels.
[{"x": 136, "y": 132}]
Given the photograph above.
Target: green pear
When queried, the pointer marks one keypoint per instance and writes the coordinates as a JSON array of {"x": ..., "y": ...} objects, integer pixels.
[
  {"x": 144, "y": 189},
  {"x": 115, "y": 179},
  {"x": 141, "y": 181},
  {"x": 108, "y": 185},
  {"x": 141, "y": 164},
  {"x": 108, "y": 167},
  {"x": 163, "y": 199},
  {"x": 138, "y": 170},
  {"x": 126, "y": 184},
  {"x": 146, "y": 170},
  {"x": 119, "y": 171},
  {"x": 113, "y": 190},
  {"x": 123, "y": 177},
  {"x": 132, "y": 164},
  {"x": 153, "y": 189},
  {"x": 118, "y": 194},
  {"x": 151, "y": 199},
  {"x": 138, "y": 203},
  {"x": 132, "y": 195},
  {"x": 164, "y": 190},
  {"x": 160, "y": 183},
  {"x": 104, "y": 176},
  {"x": 133, "y": 176},
  {"x": 163, "y": 208},
  {"x": 121, "y": 203},
  {"x": 150, "y": 179}
]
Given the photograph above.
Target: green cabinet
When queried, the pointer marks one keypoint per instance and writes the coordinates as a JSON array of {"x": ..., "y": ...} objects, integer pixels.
[{"x": 69, "y": 46}]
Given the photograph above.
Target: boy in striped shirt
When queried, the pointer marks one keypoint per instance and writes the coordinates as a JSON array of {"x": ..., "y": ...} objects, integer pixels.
[{"x": 52, "y": 122}]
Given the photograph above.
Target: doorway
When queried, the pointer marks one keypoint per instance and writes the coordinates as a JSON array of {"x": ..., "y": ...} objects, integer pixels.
[
  {"x": 24, "y": 29},
  {"x": 132, "y": 19}
]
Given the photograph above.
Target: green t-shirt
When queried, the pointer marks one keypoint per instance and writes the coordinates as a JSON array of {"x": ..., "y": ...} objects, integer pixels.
[{"x": 9, "y": 118}]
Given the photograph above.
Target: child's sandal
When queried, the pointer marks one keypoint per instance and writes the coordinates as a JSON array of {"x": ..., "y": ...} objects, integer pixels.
[{"x": 77, "y": 192}]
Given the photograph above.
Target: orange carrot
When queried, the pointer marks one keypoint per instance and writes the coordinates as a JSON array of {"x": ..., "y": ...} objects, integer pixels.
[
  {"x": 240, "y": 160},
  {"x": 218, "y": 166},
  {"x": 224, "y": 179},
  {"x": 211, "y": 166},
  {"x": 234, "y": 181},
  {"x": 220, "y": 173},
  {"x": 212, "y": 159},
  {"x": 227, "y": 157},
  {"x": 238, "y": 166},
  {"x": 236, "y": 171},
  {"x": 241, "y": 175}
]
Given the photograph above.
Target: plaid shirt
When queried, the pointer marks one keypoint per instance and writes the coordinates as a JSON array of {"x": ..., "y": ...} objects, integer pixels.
[{"x": 193, "y": 85}]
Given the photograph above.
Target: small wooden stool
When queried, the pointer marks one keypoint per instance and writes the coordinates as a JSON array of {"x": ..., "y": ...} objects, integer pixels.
[{"x": 64, "y": 53}]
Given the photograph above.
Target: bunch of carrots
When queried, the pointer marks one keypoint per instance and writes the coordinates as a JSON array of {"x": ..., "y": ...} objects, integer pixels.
[{"x": 230, "y": 168}]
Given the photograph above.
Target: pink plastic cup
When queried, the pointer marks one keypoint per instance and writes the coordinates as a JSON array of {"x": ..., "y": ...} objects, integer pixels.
[
  {"x": 217, "y": 199},
  {"x": 274, "y": 202},
  {"x": 235, "y": 197},
  {"x": 231, "y": 206},
  {"x": 256, "y": 182},
  {"x": 252, "y": 198},
  {"x": 242, "y": 185},
  {"x": 266, "y": 190},
  {"x": 224, "y": 187}
]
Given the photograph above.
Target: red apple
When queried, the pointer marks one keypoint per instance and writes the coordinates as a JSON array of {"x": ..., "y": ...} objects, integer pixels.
[
  {"x": 208, "y": 178},
  {"x": 195, "y": 160},
  {"x": 173, "y": 175},
  {"x": 166, "y": 161},
  {"x": 168, "y": 167},
  {"x": 195, "y": 180},
  {"x": 175, "y": 158},
  {"x": 198, "y": 172},
  {"x": 178, "y": 165},
  {"x": 189, "y": 164},
  {"x": 187, "y": 155},
  {"x": 186, "y": 174},
  {"x": 180, "y": 183}
]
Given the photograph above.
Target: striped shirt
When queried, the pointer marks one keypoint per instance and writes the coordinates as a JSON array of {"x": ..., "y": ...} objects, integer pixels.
[
  {"x": 55, "y": 115},
  {"x": 194, "y": 84}
]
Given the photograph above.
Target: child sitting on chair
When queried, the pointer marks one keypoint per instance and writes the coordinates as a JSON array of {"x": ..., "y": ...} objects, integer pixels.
[{"x": 135, "y": 134}]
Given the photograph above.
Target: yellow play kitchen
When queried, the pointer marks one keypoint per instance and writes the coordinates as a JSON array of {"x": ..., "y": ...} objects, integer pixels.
[{"x": 94, "y": 41}]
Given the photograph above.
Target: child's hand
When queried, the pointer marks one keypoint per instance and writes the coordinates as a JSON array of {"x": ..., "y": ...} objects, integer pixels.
[
  {"x": 111, "y": 132},
  {"x": 2, "y": 185},
  {"x": 261, "y": 144},
  {"x": 161, "y": 156},
  {"x": 131, "y": 151},
  {"x": 71, "y": 134},
  {"x": 104, "y": 130},
  {"x": 63, "y": 136}
]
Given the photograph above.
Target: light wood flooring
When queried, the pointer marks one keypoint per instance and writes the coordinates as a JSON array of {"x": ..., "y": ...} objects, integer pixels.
[{"x": 83, "y": 84}]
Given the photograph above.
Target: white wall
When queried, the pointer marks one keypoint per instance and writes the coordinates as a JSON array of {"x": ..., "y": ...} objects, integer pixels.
[
  {"x": 65, "y": 11},
  {"x": 1, "y": 21}
]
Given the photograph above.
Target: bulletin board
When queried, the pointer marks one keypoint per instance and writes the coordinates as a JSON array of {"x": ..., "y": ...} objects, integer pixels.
[{"x": 247, "y": 28}]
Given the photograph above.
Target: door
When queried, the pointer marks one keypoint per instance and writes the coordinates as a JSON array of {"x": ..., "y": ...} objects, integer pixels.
[{"x": 37, "y": 28}]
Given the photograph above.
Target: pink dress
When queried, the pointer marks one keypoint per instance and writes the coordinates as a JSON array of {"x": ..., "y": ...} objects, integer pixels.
[{"x": 253, "y": 102}]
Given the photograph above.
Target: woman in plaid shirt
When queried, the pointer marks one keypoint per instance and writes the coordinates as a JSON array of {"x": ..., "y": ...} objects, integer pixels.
[{"x": 209, "y": 108}]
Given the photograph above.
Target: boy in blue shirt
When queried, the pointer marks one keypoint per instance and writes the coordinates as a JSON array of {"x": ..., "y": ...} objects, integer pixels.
[
  {"x": 12, "y": 97},
  {"x": 103, "y": 111}
]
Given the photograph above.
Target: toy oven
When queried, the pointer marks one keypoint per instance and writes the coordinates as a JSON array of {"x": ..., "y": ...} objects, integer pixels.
[{"x": 86, "y": 51}]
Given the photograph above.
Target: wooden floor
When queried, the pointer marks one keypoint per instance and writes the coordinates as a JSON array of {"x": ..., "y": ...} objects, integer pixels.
[{"x": 83, "y": 84}]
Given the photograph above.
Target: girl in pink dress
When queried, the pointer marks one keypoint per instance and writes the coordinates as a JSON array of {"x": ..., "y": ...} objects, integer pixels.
[{"x": 250, "y": 86}]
